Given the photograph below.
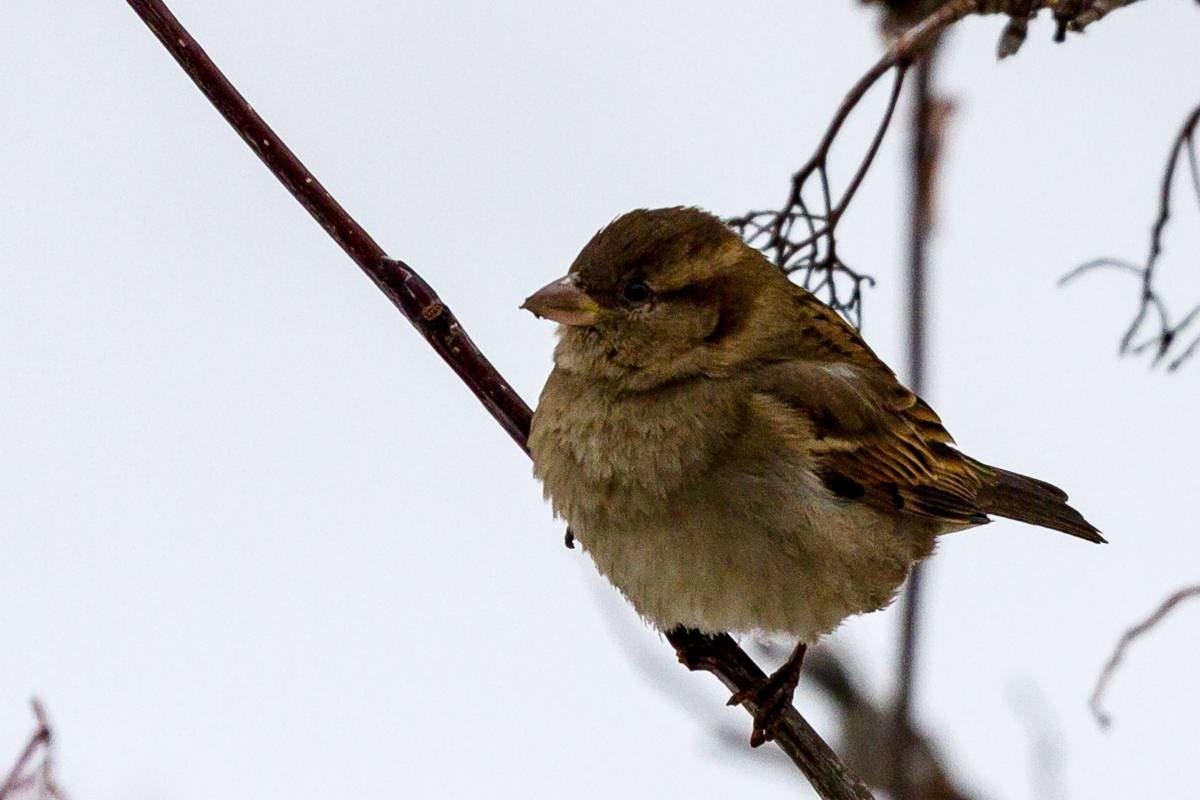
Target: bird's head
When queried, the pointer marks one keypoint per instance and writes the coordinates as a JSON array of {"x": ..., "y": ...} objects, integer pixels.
[{"x": 660, "y": 295}]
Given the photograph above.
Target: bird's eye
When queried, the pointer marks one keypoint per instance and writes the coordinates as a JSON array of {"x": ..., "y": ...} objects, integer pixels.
[{"x": 636, "y": 291}]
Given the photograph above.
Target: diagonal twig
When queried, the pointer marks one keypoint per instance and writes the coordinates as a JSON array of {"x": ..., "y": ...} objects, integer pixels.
[
  {"x": 403, "y": 286},
  {"x": 1103, "y": 718}
]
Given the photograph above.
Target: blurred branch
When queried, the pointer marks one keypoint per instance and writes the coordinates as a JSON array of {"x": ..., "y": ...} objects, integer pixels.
[
  {"x": 861, "y": 743},
  {"x": 926, "y": 124},
  {"x": 27, "y": 779},
  {"x": 1127, "y": 638},
  {"x": 1152, "y": 309},
  {"x": 1046, "y": 754},
  {"x": 417, "y": 301},
  {"x": 801, "y": 235}
]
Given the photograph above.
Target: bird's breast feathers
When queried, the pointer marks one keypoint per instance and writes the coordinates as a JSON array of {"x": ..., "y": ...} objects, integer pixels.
[{"x": 702, "y": 505}]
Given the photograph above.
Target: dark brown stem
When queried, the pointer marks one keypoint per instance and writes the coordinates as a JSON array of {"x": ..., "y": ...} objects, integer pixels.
[{"x": 417, "y": 301}]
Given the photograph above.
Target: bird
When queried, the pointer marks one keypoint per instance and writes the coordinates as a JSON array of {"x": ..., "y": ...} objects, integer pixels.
[{"x": 732, "y": 454}]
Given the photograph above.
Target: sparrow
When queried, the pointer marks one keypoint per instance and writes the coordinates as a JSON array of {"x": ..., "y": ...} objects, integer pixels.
[{"x": 732, "y": 454}]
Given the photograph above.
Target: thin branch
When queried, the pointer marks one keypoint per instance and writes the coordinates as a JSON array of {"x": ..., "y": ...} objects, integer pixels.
[
  {"x": 1103, "y": 719},
  {"x": 417, "y": 301},
  {"x": 1183, "y": 149},
  {"x": 863, "y": 719},
  {"x": 813, "y": 252},
  {"x": 1105, "y": 262},
  {"x": 24, "y": 776}
]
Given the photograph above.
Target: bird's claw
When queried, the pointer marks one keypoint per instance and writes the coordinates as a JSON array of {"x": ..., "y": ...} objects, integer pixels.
[{"x": 768, "y": 700}]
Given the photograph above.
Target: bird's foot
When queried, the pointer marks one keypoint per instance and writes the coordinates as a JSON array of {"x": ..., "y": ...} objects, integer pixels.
[{"x": 770, "y": 698}]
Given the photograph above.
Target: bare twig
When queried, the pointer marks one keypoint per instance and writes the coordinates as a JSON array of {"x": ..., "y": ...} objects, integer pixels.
[
  {"x": 417, "y": 301},
  {"x": 801, "y": 236},
  {"x": 27, "y": 779},
  {"x": 403, "y": 286},
  {"x": 1152, "y": 309},
  {"x": 1110, "y": 667}
]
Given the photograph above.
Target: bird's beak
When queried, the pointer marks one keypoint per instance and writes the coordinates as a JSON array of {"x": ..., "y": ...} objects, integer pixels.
[{"x": 563, "y": 301}]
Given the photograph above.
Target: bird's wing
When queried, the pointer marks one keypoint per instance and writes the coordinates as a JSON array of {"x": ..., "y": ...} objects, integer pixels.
[
  {"x": 869, "y": 438},
  {"x": 819, "y": 334}
]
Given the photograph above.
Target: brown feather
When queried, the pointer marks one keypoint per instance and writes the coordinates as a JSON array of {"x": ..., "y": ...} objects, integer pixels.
[
  {"x": 871, "y": 438},
  {"x": 1012, "y": 495}
]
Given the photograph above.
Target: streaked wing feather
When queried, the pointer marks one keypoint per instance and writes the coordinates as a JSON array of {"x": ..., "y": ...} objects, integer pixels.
[{"x": 871, "y": 432}]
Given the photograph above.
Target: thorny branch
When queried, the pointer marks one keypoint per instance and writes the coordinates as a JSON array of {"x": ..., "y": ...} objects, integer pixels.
[
  {"x": 1103, "y": 719},
  {"x": 800, "y": 237},
  {"x": 30, "y": 779},
  {"x": 1152, "y": 309}
]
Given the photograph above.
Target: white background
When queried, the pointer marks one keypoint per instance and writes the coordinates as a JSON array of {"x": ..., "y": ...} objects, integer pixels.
[{"x": 259, "y": 542}]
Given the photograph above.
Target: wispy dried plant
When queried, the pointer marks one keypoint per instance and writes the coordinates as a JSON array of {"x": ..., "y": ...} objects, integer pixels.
[{"x": 1153, "y": 329}]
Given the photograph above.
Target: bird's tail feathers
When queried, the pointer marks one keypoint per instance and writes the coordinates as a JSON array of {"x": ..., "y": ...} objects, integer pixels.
[{"x": 1025, "y": 499}]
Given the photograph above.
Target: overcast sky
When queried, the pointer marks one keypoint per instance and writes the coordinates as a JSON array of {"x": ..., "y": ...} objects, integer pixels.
[{"x": 260, "y": 542}]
